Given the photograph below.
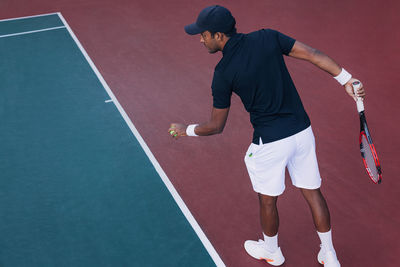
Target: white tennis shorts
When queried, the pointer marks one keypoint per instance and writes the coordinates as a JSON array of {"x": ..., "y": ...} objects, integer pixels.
[{"x": 266, "y": 164}]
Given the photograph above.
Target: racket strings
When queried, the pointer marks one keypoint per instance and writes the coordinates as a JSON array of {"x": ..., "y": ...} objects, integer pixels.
[{"x": 370, "y": 159}]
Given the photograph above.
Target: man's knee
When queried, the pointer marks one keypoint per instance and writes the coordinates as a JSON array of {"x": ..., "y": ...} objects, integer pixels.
[
  {"x": 267, "y": 201},
  {"x": 311, "y": 193},
  {"x": 314, "y": 197}
]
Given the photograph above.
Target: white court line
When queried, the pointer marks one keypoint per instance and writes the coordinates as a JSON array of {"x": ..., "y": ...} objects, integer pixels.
[
  {"x": 28, "y": 17},
  {"x": 29, "y": 32},
  {"x": 108, "y": 101},
  {"x": 196, "y": 227}
]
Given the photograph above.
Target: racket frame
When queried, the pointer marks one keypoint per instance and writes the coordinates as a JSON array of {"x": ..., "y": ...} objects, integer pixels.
[{"x": 364, "y": 131}]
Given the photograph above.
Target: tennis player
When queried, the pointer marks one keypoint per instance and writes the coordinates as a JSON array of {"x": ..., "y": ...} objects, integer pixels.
[{"x": 253, "y": 67}]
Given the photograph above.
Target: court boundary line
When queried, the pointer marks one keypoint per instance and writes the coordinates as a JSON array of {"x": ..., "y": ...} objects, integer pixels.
[
  {"x": 28, "y": 17},
  {"x": 178, "y": 200},
  {"x": 29, "y": 32}
]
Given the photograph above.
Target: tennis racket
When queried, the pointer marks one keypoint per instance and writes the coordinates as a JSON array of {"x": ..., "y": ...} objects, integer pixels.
[{"x": 367, "y": 148}]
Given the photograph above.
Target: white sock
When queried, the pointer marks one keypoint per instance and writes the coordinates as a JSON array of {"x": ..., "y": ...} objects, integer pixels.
[
  {"x": 326, "y": 240},
  {"x": 271, "y": 242}
]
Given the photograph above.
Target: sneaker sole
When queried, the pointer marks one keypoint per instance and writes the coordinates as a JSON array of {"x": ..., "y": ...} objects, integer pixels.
[{"x": 270, "y": 261}]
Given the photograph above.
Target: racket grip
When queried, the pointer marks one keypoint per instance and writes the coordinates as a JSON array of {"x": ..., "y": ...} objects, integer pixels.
[{"x": 360, "y": 103}]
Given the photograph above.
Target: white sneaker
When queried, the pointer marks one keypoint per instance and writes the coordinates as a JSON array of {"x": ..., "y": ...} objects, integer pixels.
[
  {"x": 257, "y": 250},
  {"x": 328, "y": 258}
]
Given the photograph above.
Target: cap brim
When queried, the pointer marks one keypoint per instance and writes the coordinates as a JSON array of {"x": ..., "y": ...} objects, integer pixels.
[{"x": 193, "y": 29}]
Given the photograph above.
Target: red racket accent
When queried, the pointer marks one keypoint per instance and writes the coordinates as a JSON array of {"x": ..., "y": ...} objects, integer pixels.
[{"x": 370, "y": 159}]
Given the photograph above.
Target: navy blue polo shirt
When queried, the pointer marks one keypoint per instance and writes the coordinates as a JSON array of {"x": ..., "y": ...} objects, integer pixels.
[{"x": 253, "y": 67}]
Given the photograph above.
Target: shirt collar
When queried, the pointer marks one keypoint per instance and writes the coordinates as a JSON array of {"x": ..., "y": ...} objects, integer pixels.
[{"x": 232, "y": 42}]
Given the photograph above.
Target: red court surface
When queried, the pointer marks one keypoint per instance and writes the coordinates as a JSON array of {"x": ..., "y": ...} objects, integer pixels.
[{"x": 161, "y": 75}]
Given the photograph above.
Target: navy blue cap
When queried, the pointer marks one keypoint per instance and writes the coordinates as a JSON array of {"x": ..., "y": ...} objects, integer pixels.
[{"x": 214, "y": 19}]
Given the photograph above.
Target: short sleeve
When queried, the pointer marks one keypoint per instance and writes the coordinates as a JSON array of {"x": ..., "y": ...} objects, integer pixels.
[
  {"x": 221, "y": 91},
  {"x": 285, "y": 42}
]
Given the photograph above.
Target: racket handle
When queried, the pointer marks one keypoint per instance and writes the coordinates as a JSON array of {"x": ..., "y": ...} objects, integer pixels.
[{"x": 360, "y": 103}]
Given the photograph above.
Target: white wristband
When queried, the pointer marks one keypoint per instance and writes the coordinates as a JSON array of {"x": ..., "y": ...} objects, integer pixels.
[
  {"x": 190, "y": 130},
  {"x": 343, "y": 77}
]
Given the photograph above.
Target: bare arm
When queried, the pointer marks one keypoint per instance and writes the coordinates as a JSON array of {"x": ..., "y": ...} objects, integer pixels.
[
  {"x": 319, "y": 59},
  {"x": 215, "y": 125},
  {"x": 324, "y": 62}
]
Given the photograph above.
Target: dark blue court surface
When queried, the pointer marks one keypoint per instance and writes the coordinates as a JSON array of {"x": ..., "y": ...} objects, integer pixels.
[{"x": 76, "y": 187}]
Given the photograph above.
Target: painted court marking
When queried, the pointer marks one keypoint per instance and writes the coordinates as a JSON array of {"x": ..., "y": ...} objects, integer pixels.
[
  {"x": 29, "y": 17},
  {"x": 29, "y": 32},
  {"x": 186, "y": 212},
  {"x": 196, "y": 227}
]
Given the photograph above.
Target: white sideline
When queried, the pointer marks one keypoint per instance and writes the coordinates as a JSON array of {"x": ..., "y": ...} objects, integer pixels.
[
  {"x": 196, "y": 227},
  {"x": 28, "y": 17},
  {"x": 28, "y": 32}
]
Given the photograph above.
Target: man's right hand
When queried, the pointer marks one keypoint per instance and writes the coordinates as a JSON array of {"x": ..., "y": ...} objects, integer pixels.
[{"x": 349, "y": 89}]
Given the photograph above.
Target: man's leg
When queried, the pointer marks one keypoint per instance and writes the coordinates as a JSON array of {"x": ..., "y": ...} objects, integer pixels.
[
  {"x": 319, "y": 209},
  {"x": 269, "y": 214},
  {"x": 322, "y": 222},
  {"x": 266, "y": 164},
  {"x": 268, "y": 249},
  {"x": 269, "y": 221}
]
